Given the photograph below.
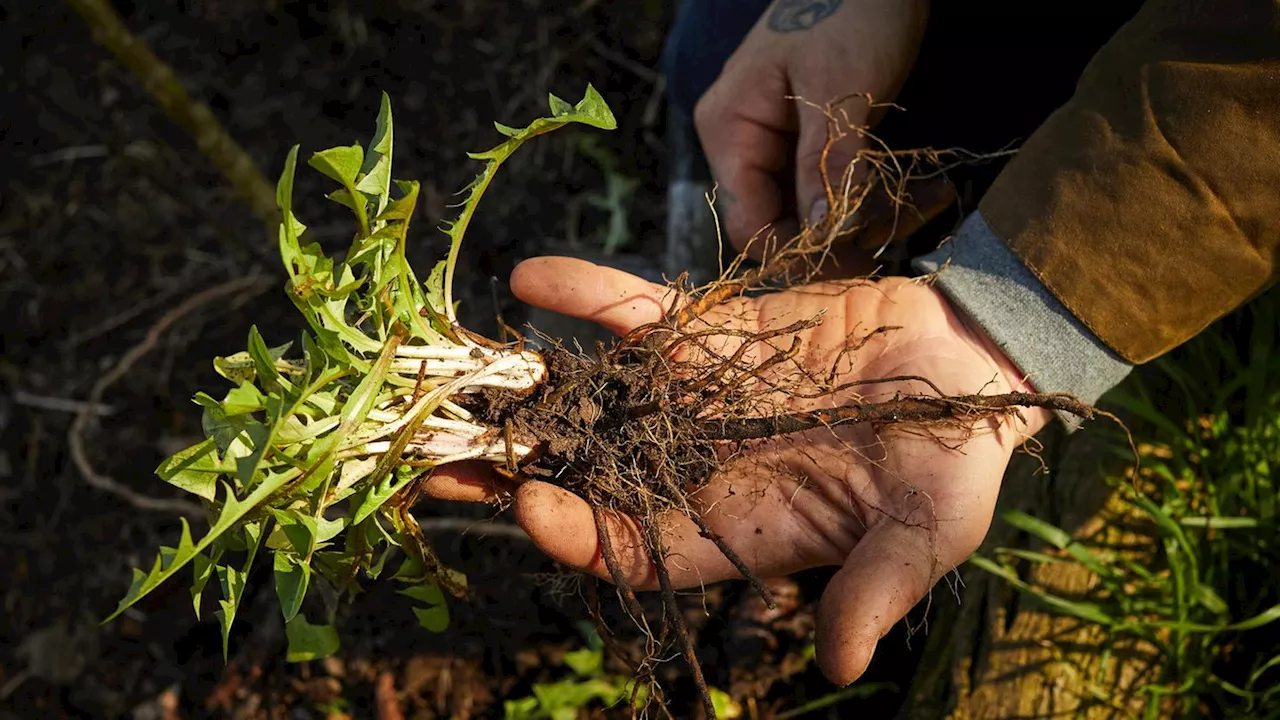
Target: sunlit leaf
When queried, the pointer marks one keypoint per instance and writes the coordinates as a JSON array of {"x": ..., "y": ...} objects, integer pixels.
[{"x": 195, "y": 470}]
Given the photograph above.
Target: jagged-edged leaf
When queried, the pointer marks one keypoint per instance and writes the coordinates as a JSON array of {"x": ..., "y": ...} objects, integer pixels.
[
  {"x": 293, "y": 576},
  {"x": 299, "y": 529},
  {"x": 433, "y": 612},
  {"x": 259, "y": 436},
  {"x": 382, "y": 487},
  {"x": 591, "y": 110},
  {"x": 434, "y": 288},
  {"x": 327, "y": 530},
  {"x": 239, "y": 367},
  {"x": 264, "y": 362},
  {"x": 309, "y": 269},
  {"x": 339, "y": 163},
  {"x": 195, "y": 469},
  {"x": 375, "y": 172},
  {"x": 202, "y": 565},
  {"x": 244, "y": 398},
  {"x": 233, "y": 511},
  {"x": 233, "y": 582},
  {"x": 223, "y": 429},
  {"x": 309, "y": 642}
]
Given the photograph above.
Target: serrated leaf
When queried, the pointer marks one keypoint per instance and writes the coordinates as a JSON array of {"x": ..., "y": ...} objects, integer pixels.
[
  {"x": 507, "y": 129},
  {"x": 233, "y": 511},
  {"x": 239, "y": 367},
  {"x": 195, "y": 469},
  {"x": 203, "y": 570},
  {"x": 591, "y": 110},
  {"x": 327, "y": 530},
  {"x": 263, "y": 362},
  {"x": 292, "y": 579},
  {"x": 259, "y": 437},
  {"x": 233, "y": 582},
  {"x": 559, "y": 107},
  {"x": 309, "y": 642},
  {"x": 244, "y": 398},
  {"x": 220, "y": 427},
  {"x": 375, "y": 172},
  {"x": 299, "y": 529},
  {"x": 435, "y": 616},
  {"x": 339, "y": 163}
]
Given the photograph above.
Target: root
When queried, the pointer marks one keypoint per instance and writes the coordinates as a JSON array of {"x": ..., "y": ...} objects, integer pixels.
[
  {"x": 676, "y": 620},
  {"x": 899, "y": 411}
]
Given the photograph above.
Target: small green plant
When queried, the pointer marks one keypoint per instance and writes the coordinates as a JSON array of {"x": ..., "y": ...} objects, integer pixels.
[
  {"x": 1206, "y": 497},
  {"x": 586, "y": 684},
  {"x": 299, "y": 451}
]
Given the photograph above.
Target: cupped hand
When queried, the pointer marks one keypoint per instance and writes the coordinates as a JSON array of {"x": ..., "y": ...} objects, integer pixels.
[
  {"x": 761, "y": 122},
  {"x": 894, "y": 509}
]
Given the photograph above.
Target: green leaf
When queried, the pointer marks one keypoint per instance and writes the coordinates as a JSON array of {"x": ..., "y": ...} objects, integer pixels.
[
  {"x": 259, "y": 436},
  {"x": 585, "y": 661},
  {"x": 299, "y": 529},
  {"x": 559, "y": 108},
  {"x": 292, "y": 578},
  {"x": 1211, "y": 600},
  {"x": 591, "y": 110},
  {"x": 168, "y": 563},
  {"x": 220, "y": 427},
  {"x": 233, "y": 582},
  {"x": 1090, "y": 612},
  {"x": 339, "y": 163},
  {"x": 203, "y": 566},
  {"x": 724, "y": 704},
  {"x": 435, "y": 616},
  {"x": 1036, "y": 527},
  {"x": 244, "y": 398},
  {"x": 375, "y": 172},
  {"x": 195, "y": 469},
  {"x": 264, "y": 363},
  {"x": 309, "y": 642},
  {"x": 240, "y": 367}
]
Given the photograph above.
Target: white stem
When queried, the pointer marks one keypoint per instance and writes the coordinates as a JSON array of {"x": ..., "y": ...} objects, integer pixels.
[
  {"x": 482, "y": 377},
  {"x": 454, "y": 361}
]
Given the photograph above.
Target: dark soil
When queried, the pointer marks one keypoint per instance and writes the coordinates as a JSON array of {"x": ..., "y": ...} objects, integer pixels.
[{"x": 109, "y": 217}]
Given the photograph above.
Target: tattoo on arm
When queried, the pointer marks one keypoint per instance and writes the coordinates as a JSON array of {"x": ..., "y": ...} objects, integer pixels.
[{"x": 796, "y": 15}]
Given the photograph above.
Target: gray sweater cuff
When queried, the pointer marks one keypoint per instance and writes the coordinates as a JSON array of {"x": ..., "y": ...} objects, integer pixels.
[{"x": 985, "y": 279}]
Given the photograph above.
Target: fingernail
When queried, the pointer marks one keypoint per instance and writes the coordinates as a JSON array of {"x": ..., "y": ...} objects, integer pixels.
[{"x": 818, "y": 212}]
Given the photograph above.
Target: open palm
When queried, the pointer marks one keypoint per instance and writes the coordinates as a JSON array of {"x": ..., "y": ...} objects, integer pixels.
[{"x": 895, "y": 508}]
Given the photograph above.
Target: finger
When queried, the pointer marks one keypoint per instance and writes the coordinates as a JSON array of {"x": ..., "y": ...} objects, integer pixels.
[
  {"x": 563, "y": 526},
  {"x": 616, "y": 300},
  {"x": 891, "y": 569},
  {"x": 743, "y": 131},
  {"x": 467, "y": 482}
]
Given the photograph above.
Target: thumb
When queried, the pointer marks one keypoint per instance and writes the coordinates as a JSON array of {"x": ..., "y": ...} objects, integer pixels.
[
  {"x": 812, "y": 149},
  {"x": 890, "y": 570}
]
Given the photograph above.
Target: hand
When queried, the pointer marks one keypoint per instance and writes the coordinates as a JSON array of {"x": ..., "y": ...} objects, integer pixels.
[
  {"x": 819, "y": 51},
  {"x": 895, "y": 510}
]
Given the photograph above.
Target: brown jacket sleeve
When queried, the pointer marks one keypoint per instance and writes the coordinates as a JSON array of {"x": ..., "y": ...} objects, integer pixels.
[{"x": 1150, "y": 203}]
